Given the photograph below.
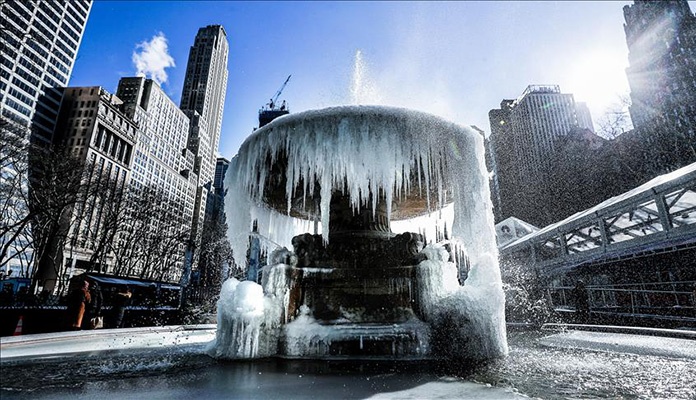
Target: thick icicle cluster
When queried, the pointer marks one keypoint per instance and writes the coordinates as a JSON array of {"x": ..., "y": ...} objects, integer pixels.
[
  {"x": 364, "y": 149},
  {"x": 395, "y": 152},
  {"x": 240, "y": 316}
]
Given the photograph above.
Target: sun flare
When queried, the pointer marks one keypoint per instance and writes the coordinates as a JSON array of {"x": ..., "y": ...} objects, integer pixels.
[{"x": 598, "y": 79}]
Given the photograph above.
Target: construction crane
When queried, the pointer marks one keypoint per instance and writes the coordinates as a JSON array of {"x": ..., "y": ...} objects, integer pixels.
[
  {"x": 271, "y": 111},
  {"x": 274, "y": 99}
]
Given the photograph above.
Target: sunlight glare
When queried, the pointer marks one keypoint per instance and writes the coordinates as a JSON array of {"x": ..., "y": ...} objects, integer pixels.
[{"x": 598, "y": 79}]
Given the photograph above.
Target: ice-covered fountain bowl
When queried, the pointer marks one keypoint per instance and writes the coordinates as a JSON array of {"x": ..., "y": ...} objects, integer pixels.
[{"x": 388, "y": 215}]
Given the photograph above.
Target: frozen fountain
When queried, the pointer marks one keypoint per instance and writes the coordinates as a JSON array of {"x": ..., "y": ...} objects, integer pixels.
[
  {"x": 408, "y": 273},
  {"x": 330, "y": 185}
]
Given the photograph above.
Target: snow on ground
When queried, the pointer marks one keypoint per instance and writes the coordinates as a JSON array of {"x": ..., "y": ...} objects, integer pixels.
[
  {"x": 623, "y": 343},
  {"x": 80, "y": 342},
  {"x": 452, "y": 388}
]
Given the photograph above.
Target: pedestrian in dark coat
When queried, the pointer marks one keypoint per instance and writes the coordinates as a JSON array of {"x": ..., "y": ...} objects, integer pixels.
[
  {"x": 121, "y": 301},
  {"x": 94, "y": 309}
]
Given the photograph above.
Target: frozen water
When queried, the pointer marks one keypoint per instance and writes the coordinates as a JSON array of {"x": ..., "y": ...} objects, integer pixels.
[
  {"x": 361, "y": 150},
  {"x": 78, "y": 365},
  {"x": 364, "y": 149},
  {"x": 240, "y": 316}
]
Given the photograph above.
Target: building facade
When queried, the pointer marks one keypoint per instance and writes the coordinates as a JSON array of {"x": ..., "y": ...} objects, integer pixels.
[
  {"x": 40, "y": 40},
  {"x": 162, "y": 161},
  {"x": 661, "y": 39},
  {"x": 524, "y": 137},
  {"x": 136, "y": 215},
  {"x": 216, "y": 203},
  {"x": 40, "y": 43},
  {"x": 93, "y": 127}
]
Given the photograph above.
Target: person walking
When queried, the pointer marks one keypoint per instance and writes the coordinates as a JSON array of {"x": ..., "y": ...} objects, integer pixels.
[
  {"x": 93, "y": 318},
  {"x": 77, "y": 303},
  {"x": 121, "y": 301},
  {"x": 582, "y": 302}
]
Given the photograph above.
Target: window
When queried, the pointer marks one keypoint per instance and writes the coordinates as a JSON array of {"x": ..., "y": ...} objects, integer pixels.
[
  {"x": 640, "y": 221},
  {"x": 586, "y": 238},
  {"x": 681, "y": 206}
]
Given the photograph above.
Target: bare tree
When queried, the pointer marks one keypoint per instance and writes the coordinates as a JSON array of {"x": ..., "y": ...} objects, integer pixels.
[
  {"x": 215, "y": 251},
  {"x": 14, "y": 194},
  {"x": 151, "y": 237},
  {"x": 56, "y": 185},
  {"x": 616, "y": 120}
]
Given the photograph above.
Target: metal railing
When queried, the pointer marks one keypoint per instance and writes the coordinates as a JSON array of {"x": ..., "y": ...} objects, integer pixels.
[{"x": 658, "y": 298}]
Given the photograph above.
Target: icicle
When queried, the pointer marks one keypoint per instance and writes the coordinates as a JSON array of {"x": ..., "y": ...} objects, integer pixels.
[{"x": 370, "y": 150}]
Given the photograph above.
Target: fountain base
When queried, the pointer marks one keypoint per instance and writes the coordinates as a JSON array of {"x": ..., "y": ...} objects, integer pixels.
[{"x": 306, "y": 338}]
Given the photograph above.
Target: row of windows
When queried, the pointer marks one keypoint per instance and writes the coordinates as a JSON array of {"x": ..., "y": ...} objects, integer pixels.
[
  {"x": 7, "y": 62},
  {"x": 25, "y": 99},
  {"x": 41, "y": 108},
  {"x": 81, "y": 7},
  {"x": 62, "y": 57},
  {"x": 68, "y": 40},
  {"x": 30, "y": 66},
  {"x": 19, "y": 9},
  {"x": 66, "y": 49},
  {"x": 38, "y": 38},
  {"x": 32, "y": 56},
  {"x": 59, "y": 65},
  {"x": 71, "y": 27},
  {"x": 52, "y": 13},
  {"x": 50, "y": 81},
  {"x": 21, "y": 23},
  {"x": 27, "y": 77},
  {"x": 18, "y": 107},
  {"x": 78, "y": 113},
  {"x": 37, "y": 48}
]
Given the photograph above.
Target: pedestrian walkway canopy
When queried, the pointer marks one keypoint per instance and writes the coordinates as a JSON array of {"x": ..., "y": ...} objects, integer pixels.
[{"x": 658, "y": 216}]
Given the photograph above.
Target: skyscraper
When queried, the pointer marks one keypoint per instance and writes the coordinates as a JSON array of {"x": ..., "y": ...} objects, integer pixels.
[
  {"x": 524, "y": 137},
  {"x": 39, "y": 44},
  {"x": 661, "y": 39},
  {"x": 40, "y": 40},
  {"x": 134, "y": 218},
  {"x": 203, "y": 101},
  {"x": 530, "y": 125},
  {"x": 92, "y": 126},
  {"x": 162, "y": 162}
]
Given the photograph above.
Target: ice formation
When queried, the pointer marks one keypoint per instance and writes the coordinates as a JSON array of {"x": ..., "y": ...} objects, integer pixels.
[
  {"x": 240, "y": 316},
  {"x": 395, "y": 152},
  {"x": 366, "y": 149}
]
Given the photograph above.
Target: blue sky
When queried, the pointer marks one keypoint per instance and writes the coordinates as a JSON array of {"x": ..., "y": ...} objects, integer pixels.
[{"x": 454, "y": 59}]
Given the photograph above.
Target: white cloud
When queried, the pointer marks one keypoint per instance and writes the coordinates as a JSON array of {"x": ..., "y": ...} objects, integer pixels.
[{"x": 152, "y": 58}]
